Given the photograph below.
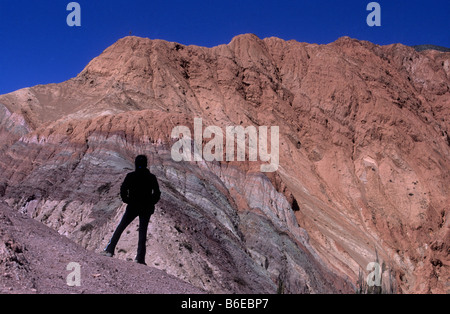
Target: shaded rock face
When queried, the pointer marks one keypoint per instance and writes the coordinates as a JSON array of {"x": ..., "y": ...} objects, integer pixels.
[{"x": 364, "y": 161}]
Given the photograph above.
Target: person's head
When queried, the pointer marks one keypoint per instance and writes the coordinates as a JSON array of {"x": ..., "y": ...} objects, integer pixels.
[{"x": 140, "y": 162}]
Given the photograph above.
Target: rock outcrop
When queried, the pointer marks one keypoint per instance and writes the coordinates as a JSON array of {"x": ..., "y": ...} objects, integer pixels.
[{"x": 364, "y": 161}]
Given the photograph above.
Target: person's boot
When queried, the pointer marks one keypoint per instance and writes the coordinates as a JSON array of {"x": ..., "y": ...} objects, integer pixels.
[
  {"x": 139, "y": 262},
  {"x": 106, "y": 253}
]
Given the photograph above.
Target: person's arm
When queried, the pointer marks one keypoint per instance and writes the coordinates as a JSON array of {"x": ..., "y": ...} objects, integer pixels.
[
  {"x": 124, "y": 188},
  {"x": 156, "y": 191}
]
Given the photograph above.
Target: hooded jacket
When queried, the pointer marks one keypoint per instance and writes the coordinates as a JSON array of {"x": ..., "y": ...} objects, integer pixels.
[{"x": 140, "y": 188}]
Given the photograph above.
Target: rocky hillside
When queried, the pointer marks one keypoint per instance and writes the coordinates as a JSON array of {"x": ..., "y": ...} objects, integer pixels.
[
  {"x": 364, "y": 161},
  {"x": 36, "y": 259}
]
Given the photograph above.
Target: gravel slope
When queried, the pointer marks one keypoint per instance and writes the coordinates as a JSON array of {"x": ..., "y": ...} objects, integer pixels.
[{"x": 34, "y": 259}]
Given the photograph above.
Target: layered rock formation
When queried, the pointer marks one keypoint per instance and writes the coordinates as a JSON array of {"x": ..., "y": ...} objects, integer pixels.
[{"x": 364, "y": 161}]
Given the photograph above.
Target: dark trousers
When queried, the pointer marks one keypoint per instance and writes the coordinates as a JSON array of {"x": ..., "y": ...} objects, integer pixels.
[{"x": 130, "y": 214}]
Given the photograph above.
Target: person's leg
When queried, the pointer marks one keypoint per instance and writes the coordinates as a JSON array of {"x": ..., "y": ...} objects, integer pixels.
[
  {"x": 144, "y": 219},
  {"x": 127, "y": 218}
]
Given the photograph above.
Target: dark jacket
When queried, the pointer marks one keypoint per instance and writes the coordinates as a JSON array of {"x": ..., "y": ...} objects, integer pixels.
[{"x": 140, "y": 188}]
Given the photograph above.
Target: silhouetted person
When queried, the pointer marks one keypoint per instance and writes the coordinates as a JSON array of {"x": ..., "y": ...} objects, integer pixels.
[{"x": 140, "y": 190}]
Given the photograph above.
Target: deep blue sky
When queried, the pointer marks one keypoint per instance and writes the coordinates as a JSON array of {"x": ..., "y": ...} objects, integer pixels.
[{"x": 37, "y": 46}]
